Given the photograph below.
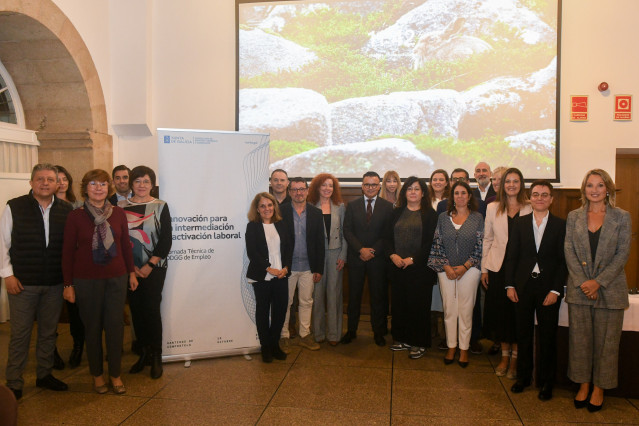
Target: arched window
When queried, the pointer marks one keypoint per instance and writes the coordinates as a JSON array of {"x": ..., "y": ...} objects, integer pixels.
[
  {"x": 10, "y": 107},
  {"x": 18, "y": 146}
]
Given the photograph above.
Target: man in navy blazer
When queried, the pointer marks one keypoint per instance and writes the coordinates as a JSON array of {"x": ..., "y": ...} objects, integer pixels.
[
  {"x": 535, "y": 277},
  {"x": 305, "y": 223},
  {"x": 366, "y": 222}
]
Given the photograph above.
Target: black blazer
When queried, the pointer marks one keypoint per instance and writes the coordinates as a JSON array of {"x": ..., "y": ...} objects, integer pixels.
[
  {"x": 420, "y": 257},
  {"x": 314, "y": 234},
  {"x": 490, "y": 193},
  {"x": 521, "y": 254},
  {"x": 257, "y": 250},
  {"x": 361, "y": 234}
]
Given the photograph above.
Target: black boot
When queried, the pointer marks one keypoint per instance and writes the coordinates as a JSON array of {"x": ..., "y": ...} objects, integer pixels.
[
  {"x": 156, "y": 364},
  {"x": 76, "y": 354},
  {"x": 267, "y": 354},
  {"x": 58, "y": 363},
  {"x": 139, "y": 365}
]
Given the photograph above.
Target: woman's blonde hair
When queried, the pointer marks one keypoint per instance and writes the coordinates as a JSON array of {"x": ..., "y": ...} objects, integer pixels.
[
  {"x": 611, "y": 195},
  {"x": 254, "y": 215},
  {"x": 388, "y": 175}
]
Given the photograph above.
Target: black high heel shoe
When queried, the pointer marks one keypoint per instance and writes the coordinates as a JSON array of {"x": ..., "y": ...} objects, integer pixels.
[
  {"x": 594, "y": 408},
  {"x": 580, "y": 404}
]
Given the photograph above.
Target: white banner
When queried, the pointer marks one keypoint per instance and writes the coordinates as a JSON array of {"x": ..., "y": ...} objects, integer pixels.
[{"x": 208, "y": 180}]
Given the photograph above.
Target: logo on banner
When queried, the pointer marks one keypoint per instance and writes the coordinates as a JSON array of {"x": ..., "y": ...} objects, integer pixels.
[
  {"x": 623, "y": 107},
  {"x": 579, "y": 108},
  {"x": 167, "y": 139},
  {"x": 189, "y": 140}
]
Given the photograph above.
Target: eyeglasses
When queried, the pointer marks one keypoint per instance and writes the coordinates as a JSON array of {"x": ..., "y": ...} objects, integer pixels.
[
  {"x": 543, "y": 195},
  {"x": 95, "y": 184},
  {"x": 370, "y": 185},
  {"x": 298, "y": 189},
  {"x": 142, "y": 182}
]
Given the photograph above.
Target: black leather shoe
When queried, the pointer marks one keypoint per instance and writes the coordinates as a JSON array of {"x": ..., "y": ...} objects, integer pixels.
[
  {"x": 594, "y": 408},
  {"x": 545, "y": 393},
  {"x": 58, "y": 363},
  {"x": 580, "y": 404},
  {"x": 17, "y": 393},
  {"x": 520, "y": 385},
  {"x": 76, "y": 355},
  {"x": 156, "y": 365},
  {"x": 141, "y": 362},
  {"x": 267, "y": 355},
  {"x": 51, "y": 383},
  {"x": 278, "y": 353},
  {"x": 348, "y": 337},
  {"x": 379, "y": 339}
]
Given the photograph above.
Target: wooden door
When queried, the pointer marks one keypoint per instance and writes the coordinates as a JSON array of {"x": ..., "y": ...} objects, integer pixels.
[{"x": 627, "y": 182}]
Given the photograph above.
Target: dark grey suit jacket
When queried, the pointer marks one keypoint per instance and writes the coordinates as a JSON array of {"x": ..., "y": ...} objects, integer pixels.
[
  {"x": 611, "y": 257},
  {"x": 314, "y": 234},
  {"x": 359, "y": 233}
]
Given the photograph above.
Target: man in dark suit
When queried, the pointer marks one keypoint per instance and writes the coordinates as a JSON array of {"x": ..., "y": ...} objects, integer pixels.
[
  {"x": 366, "y": 221},
  {"x": 305, "y": 223},
  {"x": 120, "y": 176},
  {"x": 484, "y": 186},
  {"x": 535, "y": 277}
]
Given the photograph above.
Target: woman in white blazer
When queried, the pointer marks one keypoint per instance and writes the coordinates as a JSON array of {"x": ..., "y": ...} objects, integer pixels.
[
  {"x": 328, "y": 303},
  {"x": 499, "y": 311},
  {"x": 596, "y": 247}
]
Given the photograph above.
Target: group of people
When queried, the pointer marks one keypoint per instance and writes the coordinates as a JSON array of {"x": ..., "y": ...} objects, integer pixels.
[
  {"x": 91, "y": 254},
  {"x": 499, "y": 237}
]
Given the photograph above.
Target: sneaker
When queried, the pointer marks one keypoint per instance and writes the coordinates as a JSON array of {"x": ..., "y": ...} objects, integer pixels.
[
  {"x": 309, "y": 343},
  {"x": 476, "y": 348},
  {"x": 399, "y": 346},
  {"x": 416, "y": 352},
  {"x": 285, "y": 345}
]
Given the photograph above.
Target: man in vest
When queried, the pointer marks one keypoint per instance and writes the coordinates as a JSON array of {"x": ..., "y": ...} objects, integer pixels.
[{"x": 31, "y": 231}]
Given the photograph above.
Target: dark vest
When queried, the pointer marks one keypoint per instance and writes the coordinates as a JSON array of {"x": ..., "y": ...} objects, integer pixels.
[{"x": 33, "y": 262}]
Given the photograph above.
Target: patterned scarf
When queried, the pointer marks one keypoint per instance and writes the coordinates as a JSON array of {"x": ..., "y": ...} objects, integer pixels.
[{"x": 103, "y": 246}]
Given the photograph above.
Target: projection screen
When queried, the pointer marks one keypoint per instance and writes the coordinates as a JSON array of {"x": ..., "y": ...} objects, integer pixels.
[{"x": 412, "y": 86}]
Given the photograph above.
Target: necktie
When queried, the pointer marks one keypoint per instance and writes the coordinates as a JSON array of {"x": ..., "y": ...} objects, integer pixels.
[{"x": 369, "y": 210}]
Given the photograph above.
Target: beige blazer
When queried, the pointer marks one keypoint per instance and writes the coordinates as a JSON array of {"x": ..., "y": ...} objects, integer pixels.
[
  {"x": 337, "y": 240},
  {"x": 608, "y": 268},
  {"x": 496, "y": 237}
]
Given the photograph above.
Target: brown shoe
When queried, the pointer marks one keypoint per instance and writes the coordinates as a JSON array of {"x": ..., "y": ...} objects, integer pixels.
[{"x": 309, "y": 343}]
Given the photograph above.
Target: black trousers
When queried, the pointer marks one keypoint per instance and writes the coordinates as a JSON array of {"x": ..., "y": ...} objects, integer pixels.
[
  {"x": 411, "y": 297},
  {"x": 145, "y": 309},
  {"x": 271, "y": 298},
  {"x": 377, "y": 284},
  {"x": 531, "y": 300}
]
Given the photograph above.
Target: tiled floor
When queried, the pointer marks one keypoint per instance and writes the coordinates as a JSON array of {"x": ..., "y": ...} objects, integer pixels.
[{"x": 351, "y": 384}]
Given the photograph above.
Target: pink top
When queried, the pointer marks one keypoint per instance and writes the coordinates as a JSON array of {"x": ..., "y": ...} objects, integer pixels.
[{"x": 77, "y": 257}]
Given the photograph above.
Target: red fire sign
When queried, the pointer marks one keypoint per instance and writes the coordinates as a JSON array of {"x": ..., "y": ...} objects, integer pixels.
[{"x": 579, "y": 108}]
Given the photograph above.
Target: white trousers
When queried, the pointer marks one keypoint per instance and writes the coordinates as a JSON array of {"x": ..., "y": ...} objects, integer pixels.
[
  {"x": 303, "y": 280},
  {"x": 458, "y": 297}
]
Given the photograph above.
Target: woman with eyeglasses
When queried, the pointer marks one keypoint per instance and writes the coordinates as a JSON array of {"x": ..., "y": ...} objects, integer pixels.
[
  {"x": 97, "y": 263},
  {"x": 596, "y": 247},
  {"x": 150, "y": 232},
  {"x": 408, "y": 246},
  {"x": 456, "y": 256},
  {"x": 499, "y": 311}
]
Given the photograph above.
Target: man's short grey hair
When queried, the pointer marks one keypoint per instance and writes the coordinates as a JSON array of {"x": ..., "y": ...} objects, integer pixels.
[{"x": 44, "y": 166}]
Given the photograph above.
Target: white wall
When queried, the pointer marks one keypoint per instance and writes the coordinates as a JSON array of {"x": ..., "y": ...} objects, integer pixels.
[{"x": 193, "y": 73}]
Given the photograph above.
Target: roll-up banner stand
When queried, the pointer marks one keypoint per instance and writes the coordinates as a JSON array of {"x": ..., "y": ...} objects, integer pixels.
[{"x": 208, "y": 179}]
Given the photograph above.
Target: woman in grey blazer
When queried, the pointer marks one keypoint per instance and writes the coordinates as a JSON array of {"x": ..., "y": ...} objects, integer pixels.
[
  {"x": 596, "y": 248},
  {"x": 328, "y": 303}
]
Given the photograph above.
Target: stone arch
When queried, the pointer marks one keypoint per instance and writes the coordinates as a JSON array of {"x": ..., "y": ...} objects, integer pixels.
[{"x": 58, "y": 84}]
